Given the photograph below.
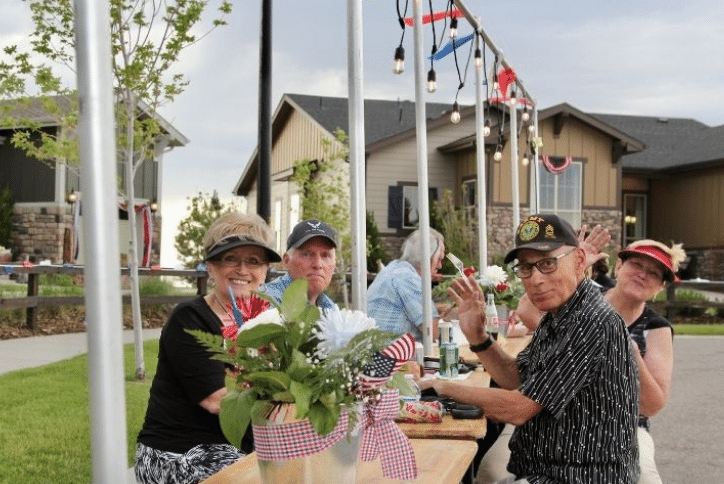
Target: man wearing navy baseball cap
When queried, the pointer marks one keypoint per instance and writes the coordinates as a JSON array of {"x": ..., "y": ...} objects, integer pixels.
[
  {"x": 311, "y": 255},
  {"x": 572, "y": 394}
]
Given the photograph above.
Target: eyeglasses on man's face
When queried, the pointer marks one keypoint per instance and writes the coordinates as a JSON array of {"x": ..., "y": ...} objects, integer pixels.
[
  {"x": 544, "y": 266},
  {"x": 230, "y": 260}
]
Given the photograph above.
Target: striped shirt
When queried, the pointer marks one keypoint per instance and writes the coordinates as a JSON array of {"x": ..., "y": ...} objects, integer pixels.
[
  {"x": 581, "y": 369},
  {"x": 394, "y": 299}
]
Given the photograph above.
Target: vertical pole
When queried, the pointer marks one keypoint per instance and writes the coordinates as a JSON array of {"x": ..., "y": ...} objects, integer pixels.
[
  {"x": 480, "y": 92},
  {"x": 422, "y": 182},
  {"x": 102, "y": 286},
  {"x": 536, "y": 165},
  {"x": 514, "y": 164},
  {"x": 263, "y": 196},
  {"x": 355, "y": 76}
]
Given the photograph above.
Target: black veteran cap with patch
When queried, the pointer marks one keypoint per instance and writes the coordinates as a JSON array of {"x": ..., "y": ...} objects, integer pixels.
[{"x": 543, "y": 232}]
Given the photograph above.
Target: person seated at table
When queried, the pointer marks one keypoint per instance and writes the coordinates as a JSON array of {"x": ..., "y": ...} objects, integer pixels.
[
  {"x": 181, "y": 439},
  {"x": 311, "y": 255},
  {"x": 394, "y": 299},
  {"x": 642, "y": 270},
  {"x": 578, "y": 359}
]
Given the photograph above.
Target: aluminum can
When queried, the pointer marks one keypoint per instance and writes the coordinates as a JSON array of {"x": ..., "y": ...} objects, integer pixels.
[
  {"x": 445, "y": 332},
  {"x": 449, "y": 355}
]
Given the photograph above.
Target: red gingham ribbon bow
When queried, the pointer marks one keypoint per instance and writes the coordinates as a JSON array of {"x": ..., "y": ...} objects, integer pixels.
[
  {"x": 295, "y": 440},
  {"x": 384, "y": 438}
]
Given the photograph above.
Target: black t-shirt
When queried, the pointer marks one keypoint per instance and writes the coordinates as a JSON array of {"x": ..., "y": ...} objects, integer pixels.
[{"x": 185, "y": 376}]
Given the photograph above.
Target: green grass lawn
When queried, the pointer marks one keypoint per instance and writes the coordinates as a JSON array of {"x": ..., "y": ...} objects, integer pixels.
[{"x": 44, "y": 423}]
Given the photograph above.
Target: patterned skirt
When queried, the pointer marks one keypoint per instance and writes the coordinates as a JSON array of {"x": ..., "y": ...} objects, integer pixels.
[{"x": 200, "y": 462}]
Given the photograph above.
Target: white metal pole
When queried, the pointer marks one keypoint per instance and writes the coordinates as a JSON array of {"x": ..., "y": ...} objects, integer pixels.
[
  {"x": 100, "y": 242},
  {"x": 422, "y": 182},
  {"x": 514, "y": 163},
  {"x": 536, "y": 167},
  {"x": 481, "y": 194},
  {"x": 355, "y": 76}
]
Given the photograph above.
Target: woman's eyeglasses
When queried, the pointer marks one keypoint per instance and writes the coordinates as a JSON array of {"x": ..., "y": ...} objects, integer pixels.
[
  {"x": 233, "y": 261},
  {"x": 544, "y": 266}
]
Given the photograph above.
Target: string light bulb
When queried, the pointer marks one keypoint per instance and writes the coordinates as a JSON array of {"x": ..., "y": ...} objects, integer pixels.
[
  {"x": 399, "y": 67},
  {"x": 526, "y": 115},
  {"x": 455, "y": 115},
  {"x": 431, "y": 81},
  {"x": 526, "y": 159},
  {"x": 453, "y": 28},
  {"x": 486, "y": 128},
  {"x": 498, "y": 153},
  {"x": 478, "y": 58},
  {"x": 513, "y": 101},
  {"x": 531, "y": 128}
]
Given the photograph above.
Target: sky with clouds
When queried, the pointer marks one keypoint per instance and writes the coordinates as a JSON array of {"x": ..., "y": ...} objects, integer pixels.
[{"x": 659, "y": 58}]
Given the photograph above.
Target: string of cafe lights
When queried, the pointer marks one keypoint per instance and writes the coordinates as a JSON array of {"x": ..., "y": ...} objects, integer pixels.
[{"x": 480, "y": 61}]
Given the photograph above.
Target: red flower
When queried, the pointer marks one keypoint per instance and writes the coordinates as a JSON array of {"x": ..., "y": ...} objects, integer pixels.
[
  {"x": 501, "y": 287},
  {"x": 469, "y": 270},
  {"x": 229, "y": 331}
]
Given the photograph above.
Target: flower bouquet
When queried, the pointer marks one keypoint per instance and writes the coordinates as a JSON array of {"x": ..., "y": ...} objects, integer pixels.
[
  {"x": 506, "y": 288},
  {"x": 305, "y": 380}
]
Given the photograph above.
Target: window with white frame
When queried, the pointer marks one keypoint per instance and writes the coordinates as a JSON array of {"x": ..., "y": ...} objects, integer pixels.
[
  {"x": 562, "y": 193},
  {"x": 293, "y": 210},
  {"x": 410, "y": 203},
  {"x": 278, "y": 223}
]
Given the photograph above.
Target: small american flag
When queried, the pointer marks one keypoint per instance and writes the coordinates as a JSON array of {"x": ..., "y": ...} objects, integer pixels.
[{"x": 386, "y": 362}]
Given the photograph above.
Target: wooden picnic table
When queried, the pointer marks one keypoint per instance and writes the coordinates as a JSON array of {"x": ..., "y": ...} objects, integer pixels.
[
  {"x": 438, "y": 462},
  {"x": 468, "y": 429}
]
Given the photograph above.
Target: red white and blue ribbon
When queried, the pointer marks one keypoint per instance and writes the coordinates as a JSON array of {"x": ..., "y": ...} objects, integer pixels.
[
  {"x": 145, "y": 210},
  {"x": 426, "y": 19},
  {"x": 556, "y": 164},
  {"x": 384, "y": 439},
  {"x": 453, "y": 44},
  {"x": 385, "y": 363}
]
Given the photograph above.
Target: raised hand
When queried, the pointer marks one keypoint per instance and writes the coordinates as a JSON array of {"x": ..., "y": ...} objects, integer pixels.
[
  {"x": 594, "y": 243},
  {"x": 468, "y": 297}
]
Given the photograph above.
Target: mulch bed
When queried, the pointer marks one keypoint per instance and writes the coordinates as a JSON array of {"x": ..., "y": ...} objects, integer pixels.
[{"x": 66, "y": 319}]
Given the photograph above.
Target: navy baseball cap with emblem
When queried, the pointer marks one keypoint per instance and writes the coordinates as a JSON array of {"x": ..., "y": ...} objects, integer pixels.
[
  {"x": 543, "y": 232},
  {"x": 308, "y": 229}
]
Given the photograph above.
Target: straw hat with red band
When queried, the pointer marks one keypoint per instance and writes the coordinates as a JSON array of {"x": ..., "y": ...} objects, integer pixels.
[{"x": 669, "y": 257}]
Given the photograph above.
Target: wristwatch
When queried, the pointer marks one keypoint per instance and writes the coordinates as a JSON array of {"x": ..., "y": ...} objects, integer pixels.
[{"x": 483, "y": 346}]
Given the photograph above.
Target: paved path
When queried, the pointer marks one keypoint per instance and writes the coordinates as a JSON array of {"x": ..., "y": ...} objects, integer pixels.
[
  {"x": 689, "y": 431},
  {"x": 19, "y": 353}
]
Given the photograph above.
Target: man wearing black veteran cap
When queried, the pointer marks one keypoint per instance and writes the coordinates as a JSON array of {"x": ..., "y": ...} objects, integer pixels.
[
  {"x": 310, "y": 255},
  {"x": 573, "y": 392}
]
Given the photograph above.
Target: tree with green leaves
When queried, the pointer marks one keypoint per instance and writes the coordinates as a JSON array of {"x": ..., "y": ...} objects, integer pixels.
[
  {"x": 324, "y": 185},
  {"x": 147, "y": 38},
  {"x": 202, "y": 211}
]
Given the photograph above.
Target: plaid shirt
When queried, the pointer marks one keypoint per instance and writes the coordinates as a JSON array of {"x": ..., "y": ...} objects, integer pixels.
[
  {"x": 277, "y": 287},
  {"x": 394, "y": 299}
]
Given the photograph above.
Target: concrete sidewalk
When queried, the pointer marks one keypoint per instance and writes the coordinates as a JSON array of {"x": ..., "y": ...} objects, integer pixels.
[{"x": 20, "y": 353}]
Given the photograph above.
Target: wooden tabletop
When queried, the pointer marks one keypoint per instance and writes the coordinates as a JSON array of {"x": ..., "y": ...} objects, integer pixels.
[{"x": 438, "y": 462}]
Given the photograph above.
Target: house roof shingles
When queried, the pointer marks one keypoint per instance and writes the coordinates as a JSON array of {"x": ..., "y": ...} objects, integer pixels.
[{"x": 671, "y": 143}]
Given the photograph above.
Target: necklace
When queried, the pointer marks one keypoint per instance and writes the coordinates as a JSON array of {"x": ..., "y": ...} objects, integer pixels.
[{"x": 229, "y": 317}]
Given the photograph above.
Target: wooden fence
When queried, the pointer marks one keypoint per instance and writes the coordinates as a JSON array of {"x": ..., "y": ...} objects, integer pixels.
[{"x": 32, "y": 302}]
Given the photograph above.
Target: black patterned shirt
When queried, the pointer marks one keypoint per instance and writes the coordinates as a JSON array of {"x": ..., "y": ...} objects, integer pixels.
[{"x": 581, "y": 369}]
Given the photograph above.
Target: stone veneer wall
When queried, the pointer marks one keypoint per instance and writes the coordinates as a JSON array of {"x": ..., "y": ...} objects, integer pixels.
[
  {"x": 501, "y": 231},
  {"x": 38, "y": 233},
  {"x": 707, "y": 264}
]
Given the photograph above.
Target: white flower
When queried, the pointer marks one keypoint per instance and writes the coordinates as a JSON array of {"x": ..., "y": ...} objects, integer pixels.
[
  {"x": 493, "y": 275},
  {"x": 269, "y": 316},
  {"x": 338, "y": 326}
]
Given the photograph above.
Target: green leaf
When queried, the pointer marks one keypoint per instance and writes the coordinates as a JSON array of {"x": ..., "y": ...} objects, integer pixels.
[
  {"x": 260, "y": 335},
  {"x": 286, "y": 397},
  {"x": 302, "y": 398},
  {"x": 275, "y": 381},
  {"x": 294, "y": 300},
  {"x": 235, "y": 414},
  {"x": 299, "y": 369},
  {"x": 322, "y": 419}
]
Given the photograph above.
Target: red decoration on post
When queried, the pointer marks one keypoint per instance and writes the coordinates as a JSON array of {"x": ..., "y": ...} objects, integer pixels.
[{"x": 410, "y": 22}]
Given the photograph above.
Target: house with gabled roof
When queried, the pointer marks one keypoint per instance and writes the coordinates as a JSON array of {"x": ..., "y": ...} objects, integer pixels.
[
  {"x": 587, "y": 177},
  {"x": 47, "y": 202}
]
